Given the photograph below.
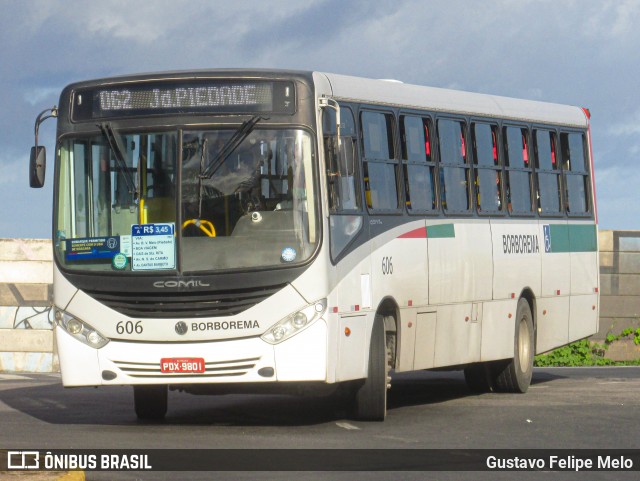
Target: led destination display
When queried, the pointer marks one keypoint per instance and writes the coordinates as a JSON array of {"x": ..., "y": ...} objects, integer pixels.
[
  {"x": 253, "y": 95},
  {"x": 193, "y": 97}
]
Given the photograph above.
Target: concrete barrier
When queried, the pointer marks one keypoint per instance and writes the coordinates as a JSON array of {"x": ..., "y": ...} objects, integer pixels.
[
  {"x": 26, "y": 336},
  {"x": 619, "y": 290},
  {"x": 26, "y": 321}
]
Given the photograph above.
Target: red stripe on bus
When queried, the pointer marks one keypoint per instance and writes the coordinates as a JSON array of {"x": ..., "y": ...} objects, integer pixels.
[
  {"x": 594, "y": 199},
  {"x": 420, "y": 233}
]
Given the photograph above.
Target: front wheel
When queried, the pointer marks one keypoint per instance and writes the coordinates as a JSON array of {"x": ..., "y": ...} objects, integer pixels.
[
  {"x": 150, "y": 401},
  {"x": 370, "y": 398},
  {"x": 515, "y": 376}
]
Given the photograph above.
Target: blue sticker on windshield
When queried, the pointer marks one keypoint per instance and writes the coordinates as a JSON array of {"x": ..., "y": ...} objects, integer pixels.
[
  {"x": 91, "y": 248},
  {"x": 288, "y": 254}
]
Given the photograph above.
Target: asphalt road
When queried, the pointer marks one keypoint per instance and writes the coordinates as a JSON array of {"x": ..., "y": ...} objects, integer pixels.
[{"x": 581, "y": 408}]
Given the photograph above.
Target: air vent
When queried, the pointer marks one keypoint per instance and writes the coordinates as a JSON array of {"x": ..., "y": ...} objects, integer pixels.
[{"x": 181, "y": 304}]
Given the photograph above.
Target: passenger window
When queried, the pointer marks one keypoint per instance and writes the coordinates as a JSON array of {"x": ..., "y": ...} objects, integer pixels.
[
  {"x": 418, "y": 166},
  {"x": 574, "y": 165},
  {"x": 380, "y": 166},
  {"x": 547, "y": 173},
  {"x": 518, "y": 169},
  {"x": 487, "y": 168},
  {"x": 377, "y": 135},
  {"x": 454, "y": 191},
  {"x": 416, "y": 139}
]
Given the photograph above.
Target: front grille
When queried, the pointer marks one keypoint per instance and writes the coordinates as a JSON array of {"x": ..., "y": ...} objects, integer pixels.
[
  {"x": 190, "y": 304},
  {"x": 231, "y": 368}
]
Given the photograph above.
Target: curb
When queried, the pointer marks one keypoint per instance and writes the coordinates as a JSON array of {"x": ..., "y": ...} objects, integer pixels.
[
  {"x": 71, "y": 476},
  {"x": 43, "y": 475}
]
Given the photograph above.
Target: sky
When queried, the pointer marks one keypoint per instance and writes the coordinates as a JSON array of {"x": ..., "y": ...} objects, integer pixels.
[{"x": 582, "y": 52}]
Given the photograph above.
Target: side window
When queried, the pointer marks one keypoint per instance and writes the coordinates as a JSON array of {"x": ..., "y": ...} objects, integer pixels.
[
  {"x": 487, "y": 175},
  {"x": 454, "y": 192},
  {"x": 379, "y": 164},
  {"x": 343, "y": 187},
  {"x": 574, "y": 165},
  {"x": 518, "y": 169},
  {"x": 418, "y": 165},
  {"x": 547, "y": 172}
]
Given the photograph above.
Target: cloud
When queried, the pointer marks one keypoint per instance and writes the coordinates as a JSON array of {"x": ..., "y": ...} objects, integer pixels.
[
  {"x": 169, "y": 21},
  {"x": 613, "y": 19},
  {"x": 578, "y": 52},
  {"x": 26, "y": 212},
  {"x": 37, "y": 96},
  {"x": 14, "y": 169},
  {"x": 630, "y": 126},
  {"x": 620, "y": 210}
]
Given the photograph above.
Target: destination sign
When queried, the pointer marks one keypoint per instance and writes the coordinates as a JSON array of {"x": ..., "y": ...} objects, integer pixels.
[{"x": 192, "y": 97}]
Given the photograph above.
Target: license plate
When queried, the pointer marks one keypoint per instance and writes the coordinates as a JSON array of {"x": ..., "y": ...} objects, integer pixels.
[{"x": 182, "y": 364}]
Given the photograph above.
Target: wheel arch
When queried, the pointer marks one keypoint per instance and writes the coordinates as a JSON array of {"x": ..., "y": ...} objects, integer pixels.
[{"x": 389, "y": 310}]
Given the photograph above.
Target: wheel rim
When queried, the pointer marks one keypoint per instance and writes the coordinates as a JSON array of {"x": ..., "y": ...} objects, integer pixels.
[{"x": 524, "y": 345}]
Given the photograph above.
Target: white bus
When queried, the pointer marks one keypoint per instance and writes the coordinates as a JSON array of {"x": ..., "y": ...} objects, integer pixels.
[{"x": 231, "y": 230}]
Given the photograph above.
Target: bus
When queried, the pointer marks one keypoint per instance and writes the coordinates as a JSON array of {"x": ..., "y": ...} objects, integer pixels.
[{"x": 270, "y": 230}]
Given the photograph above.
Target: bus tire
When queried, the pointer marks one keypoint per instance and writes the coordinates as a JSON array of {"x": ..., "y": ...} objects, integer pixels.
[
  {"x": 150, "y": 401},
  {"x": 370, "y": 397},
  {"x": 515, "y": 375}
]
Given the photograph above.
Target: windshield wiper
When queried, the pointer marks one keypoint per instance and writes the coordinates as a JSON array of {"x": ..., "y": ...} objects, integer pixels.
[
  {"x": 118, "y": 152},
  {"x": 232, "y": 144}
]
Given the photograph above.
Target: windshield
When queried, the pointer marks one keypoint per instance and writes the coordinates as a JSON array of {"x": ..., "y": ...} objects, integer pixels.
[{"x": 244, "y": 201}]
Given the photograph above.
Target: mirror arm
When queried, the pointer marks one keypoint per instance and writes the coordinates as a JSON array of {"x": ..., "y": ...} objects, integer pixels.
[
  {"x": 41, "y": 118},
  {"x": 326, "y": 102}
]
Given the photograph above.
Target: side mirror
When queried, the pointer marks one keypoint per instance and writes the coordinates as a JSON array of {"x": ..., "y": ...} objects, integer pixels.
[
  {"x": 37, "y": 166},
  {"x": 38, "y": 160}
]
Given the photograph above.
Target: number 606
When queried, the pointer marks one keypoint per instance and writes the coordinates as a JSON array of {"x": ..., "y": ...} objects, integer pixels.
[
  {"x": 129, "y": 327},
  {"x": 387, "y": 266}
]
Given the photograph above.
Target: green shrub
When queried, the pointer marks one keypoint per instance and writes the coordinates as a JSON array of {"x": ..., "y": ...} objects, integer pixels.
[
  {"x": 586, "y": 353},
  {"x": 579, "y": 353}
]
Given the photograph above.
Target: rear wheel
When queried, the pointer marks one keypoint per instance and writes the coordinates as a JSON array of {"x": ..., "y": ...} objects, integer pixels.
[
  {"x": 370, "y": 398},
  {"x": 515, "y": 376},
  {"x": 150, "y": 401}
]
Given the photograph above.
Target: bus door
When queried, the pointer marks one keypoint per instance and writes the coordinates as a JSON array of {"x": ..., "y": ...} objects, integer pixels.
[{"x": 348, "y": 239}]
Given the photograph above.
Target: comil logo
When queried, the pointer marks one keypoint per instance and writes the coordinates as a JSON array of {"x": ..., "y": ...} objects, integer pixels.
[
  {"x": 23, "y": 460},
  {"x": 183, "y": 284}
]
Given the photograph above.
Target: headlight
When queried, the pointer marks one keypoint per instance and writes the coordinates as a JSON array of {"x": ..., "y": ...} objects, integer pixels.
[
  {"x": 295, "y": 322},
  {"x": 82, "y": 331}
]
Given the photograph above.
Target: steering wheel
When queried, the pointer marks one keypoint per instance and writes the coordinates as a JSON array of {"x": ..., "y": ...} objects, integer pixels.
[{"x": 204, "y": 225}]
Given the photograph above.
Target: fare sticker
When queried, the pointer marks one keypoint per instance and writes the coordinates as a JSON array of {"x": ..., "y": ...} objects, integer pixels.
[{"x": 153, "y": 247}]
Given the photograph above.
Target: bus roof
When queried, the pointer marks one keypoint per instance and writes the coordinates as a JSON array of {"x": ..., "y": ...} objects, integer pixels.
[
  {"x": 391, "y": 93},
  {"x": 398, "y": 94}
]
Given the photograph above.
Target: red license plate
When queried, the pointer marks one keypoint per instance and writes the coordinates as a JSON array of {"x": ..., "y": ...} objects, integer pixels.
[{"x": 182, "y": 364}]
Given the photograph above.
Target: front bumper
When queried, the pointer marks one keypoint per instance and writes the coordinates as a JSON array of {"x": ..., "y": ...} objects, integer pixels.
[{"x": 303, "y": 357}]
